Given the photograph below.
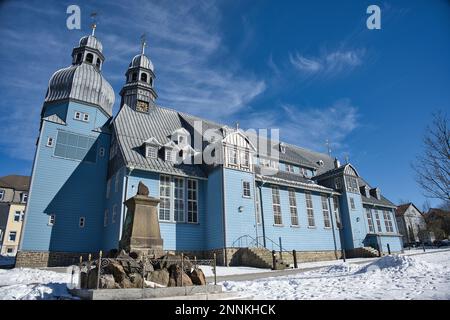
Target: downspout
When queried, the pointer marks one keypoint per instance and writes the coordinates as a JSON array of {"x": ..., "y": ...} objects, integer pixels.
[
  {"x": 124, "y": 196},
  {"x": 225, "y": 260},
  {"x": 331, "y": 211},
  {"x": 256, "y": 210},
  {"x": 262, "y": 213}
]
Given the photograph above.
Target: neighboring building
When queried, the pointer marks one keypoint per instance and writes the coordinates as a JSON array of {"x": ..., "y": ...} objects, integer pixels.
[
  {"x": 438, "y": 220},
  {"x": 13, "y": 199},
  {"x": 411, "y": 223},
  {"x": 88, "y": 163}
]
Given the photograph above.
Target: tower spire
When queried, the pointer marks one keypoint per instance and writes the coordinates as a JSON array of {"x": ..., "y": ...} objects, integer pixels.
[
  {"x": 94, "y": 22},
  {"x": 143, "y": 43}
]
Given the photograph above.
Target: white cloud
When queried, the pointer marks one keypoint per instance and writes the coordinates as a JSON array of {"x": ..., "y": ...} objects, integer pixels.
[
  {"x": 310, "y": 127},
  {"x": 327, "y": 64}
]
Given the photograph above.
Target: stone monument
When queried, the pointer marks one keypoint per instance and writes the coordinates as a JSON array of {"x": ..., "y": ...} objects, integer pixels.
[{"x": 141, "y": 229}]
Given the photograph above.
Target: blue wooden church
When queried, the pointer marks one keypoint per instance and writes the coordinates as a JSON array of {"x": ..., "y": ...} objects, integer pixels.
[{"x": 221, "y": 189}]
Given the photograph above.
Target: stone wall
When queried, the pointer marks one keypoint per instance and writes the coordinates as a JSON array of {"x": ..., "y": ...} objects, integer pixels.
[{"x": 39, "y": 259}]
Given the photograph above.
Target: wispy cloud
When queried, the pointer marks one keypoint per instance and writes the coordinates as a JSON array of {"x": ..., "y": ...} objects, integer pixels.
[
  {"x": 310, "y": 126},
  {"x": 327, "y": 64}
]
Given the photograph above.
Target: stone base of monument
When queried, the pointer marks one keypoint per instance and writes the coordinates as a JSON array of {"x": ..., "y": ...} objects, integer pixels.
[{"x": 188, "y": 292}]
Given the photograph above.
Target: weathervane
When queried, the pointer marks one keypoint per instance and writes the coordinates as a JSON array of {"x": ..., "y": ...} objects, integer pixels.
[
  {"x": 327, "y": 143},
  {"x": 143, "y": 43},
  {"x": 94, "y": 22},
  {"x": 237, "y": 125}
]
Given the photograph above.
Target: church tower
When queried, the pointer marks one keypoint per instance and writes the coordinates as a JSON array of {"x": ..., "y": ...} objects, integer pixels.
[
  {"x": 64, "y": 215},
  {"x": 138, "y": 92}
]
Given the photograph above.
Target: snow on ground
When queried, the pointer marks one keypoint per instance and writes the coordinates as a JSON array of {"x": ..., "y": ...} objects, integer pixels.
[
  {"x": 227, "y": 271},
  {"x": 424, "y": 276},
  {"x": 33, "y": 284}
]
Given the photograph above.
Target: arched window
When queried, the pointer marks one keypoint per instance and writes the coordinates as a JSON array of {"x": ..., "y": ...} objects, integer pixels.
[
  {"x": 79, "y": 56},
  {"x": 134, "y": 76},
  {"x": 144, "y": 77},
  {"x": 98, "y": 63},
  {"x": 151, "y": 81},
  {"x": 89, "y": 57}
]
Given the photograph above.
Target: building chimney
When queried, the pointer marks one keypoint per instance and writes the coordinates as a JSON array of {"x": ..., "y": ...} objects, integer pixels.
[{"x": 337, "y": 163}]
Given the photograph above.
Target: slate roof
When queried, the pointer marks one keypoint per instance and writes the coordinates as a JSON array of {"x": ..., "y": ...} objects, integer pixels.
[
  {"x": 16, "y": 182},
  {"x": 374, "y": 201}
]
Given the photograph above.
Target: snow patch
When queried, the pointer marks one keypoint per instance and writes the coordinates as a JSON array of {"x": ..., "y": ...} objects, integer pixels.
[{"x": 397, "y": 263}]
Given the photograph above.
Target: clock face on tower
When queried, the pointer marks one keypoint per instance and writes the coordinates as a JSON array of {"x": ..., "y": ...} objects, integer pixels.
[{"x": 142, "y": 106}]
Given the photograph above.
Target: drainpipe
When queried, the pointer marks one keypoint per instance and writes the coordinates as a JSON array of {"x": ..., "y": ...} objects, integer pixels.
[
  {"x": 256, "y": 211},
  {"x": 331, "y": 212},
  {"x": 224, "y": 220},
  {"x": 262, "y": 214},
  {"x": 124, "y": 198}
]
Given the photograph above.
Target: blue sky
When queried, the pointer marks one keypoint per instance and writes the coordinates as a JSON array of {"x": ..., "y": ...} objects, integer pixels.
[{"x": 310, "y": 68}]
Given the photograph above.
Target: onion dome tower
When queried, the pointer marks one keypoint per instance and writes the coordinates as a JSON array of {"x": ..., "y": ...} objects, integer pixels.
[
  {"x": 83, "y": 81},
  {"x": 138, "y": 92}
]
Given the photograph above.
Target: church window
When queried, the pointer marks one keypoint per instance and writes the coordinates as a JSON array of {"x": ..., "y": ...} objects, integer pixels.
[
  {"x": 49, "y": 142},
  {"x": 369, "y": 220},
  {"x": 232, "y": 157},
  {"x": 85, "y": 117},
  {"x": 352, "y": 204},
  {"x": 102, "y": 152},
  {"x": 310, "y": 210},
  {"x": 151, "y": 152},
  {"x": 178, "y": 199},
  {"x": 77, "y": 115},
  {"x": 82, "y": 222},
  {"x": 89, "y": 57},
  {"x": 98, "y": 63},
  {"x": 378, "y": 220},
  {"x": 387, "y": 221},
  {"x": 164, "y": 195},
  {"x": 326, "y": 212},
  {"x": 144, "y": 77},
  {"x": 293, "y": 207},
  {"x": 276, "y": 205},
  {"x": 79, "y": 56},
  {"x": 134, "y": 76},
  {"x": 246, "y": 189},
  {"x": 75, "y": 146},
  {"x": 192, "y": 189}
]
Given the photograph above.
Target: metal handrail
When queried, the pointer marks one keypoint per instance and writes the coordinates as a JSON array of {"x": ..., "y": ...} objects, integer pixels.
[{"x": 256, "y": 241}]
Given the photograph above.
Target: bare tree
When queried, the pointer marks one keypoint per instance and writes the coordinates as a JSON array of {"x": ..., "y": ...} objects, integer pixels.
[{"x": 433, "y": 166}]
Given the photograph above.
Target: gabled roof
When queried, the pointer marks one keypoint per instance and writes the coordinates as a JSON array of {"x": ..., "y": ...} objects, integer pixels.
[
  {"x": 16, "y": 182},
  {"x": 382, "y": 202},
  {"x": 152, "y": 141}
]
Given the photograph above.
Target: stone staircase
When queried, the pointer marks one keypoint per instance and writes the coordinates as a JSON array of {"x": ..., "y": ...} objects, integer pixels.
[
  {"x": 369, "y": 252},
  {"x": 261, "y": 258}
]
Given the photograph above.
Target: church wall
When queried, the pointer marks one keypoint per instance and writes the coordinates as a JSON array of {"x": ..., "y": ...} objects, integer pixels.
[
  {"x": 302, "y": 237},
  {"x": 214, "y": 211}
]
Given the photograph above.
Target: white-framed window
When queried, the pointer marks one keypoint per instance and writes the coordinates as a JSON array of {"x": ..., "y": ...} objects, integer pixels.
[
  {"x": 51, "y": 219},
  {"x": 352, "y": 204},
  {"x": 293, "y": 207},
  {"x": 276, "y": 206},
  {"x": 22, "y": 216},
  {"x": 77, "y": 115},
  {"x": 102, "y": 152},
  {"x": 108, "y": 188},
  {"x": 289, "y": 167},
  {"x": 164, "y": 196},
  {"x": 82, "y": 222},
  {"x": 2, "y": 194},
  {"x": 377, "y": 219},
  {"x": 12, "y": 236},
  {"x": 388, "y": 221},
  {"x": 369, "y": 220},
  {"x": 24, "y": 197},
  {"x": 245, "y": 159},
  {"x": 326, "y": 212},
  {"x": 168, "y": 155},
  {"x": 264, "y": 162},
  {"x": 338, "y": 183},
  {"x": 310, "y": 209},
  {"x": 105, "y": 218},
  {"x": 151, "y": 152},
  {"x": 86, "y": 117},
  {"x": 232, "y": 157},
  {"x": 114, "y": 213},
  {"x": 180, "y": 139},
  {"x": 337, "y": 214},
  {"x": 178, "y": 199},
  {"x": 17, "y": 215},
  {"x": 192, "y": 200},
  {"x": 246, "y": 189},
  {"x": 49, "y": 142}
]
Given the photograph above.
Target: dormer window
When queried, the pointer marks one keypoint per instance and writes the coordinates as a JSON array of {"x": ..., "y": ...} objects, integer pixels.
[
  {"x": 151, "y": 152},
  {"x": 180, "y": 139},
  {"x": 89, "y": 57},
  {"x": 168, "y": 155},
  {"x": 282, "y": 148}
]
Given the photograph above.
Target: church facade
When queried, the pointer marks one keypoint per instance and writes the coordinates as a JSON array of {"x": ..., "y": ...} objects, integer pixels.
[{"x": 220, "y": 188}]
